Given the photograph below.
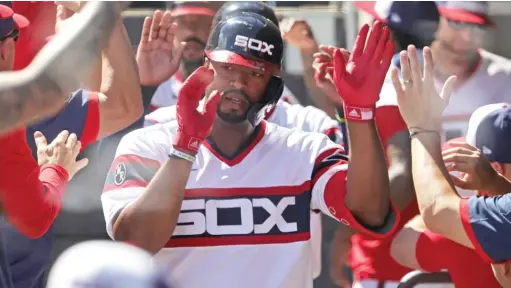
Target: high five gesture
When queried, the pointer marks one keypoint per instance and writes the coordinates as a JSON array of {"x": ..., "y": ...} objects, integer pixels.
[
  {"x": 157, "y": 58},
  {"x": 359, "y": 80},
  {"x": 419, "y": 102}
]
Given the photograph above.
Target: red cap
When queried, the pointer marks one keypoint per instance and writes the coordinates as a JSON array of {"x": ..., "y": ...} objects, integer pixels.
[
  {"x": 19, "y": 20},
  {"x": 475, "y": 12},
  {"x": 225, "y": 56},
  {"x": 369, "y": 8}
]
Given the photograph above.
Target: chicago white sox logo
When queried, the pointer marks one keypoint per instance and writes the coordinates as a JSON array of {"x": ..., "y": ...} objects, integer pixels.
[
  {"x": 253, "y": 44},
  {"x": 120, "y": 174}
]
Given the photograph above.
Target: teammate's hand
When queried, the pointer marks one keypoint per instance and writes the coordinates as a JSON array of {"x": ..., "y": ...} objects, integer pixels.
[
  {"x": 157, "y": 58},
  {"x": 62, "y": 151},
  {"x": 194, "y": 126},
  {"x": 477, "y": 172},
  {"x": 74, "y": 6},
  {"x": 298, "y": 34},
  {"x": 323, "y": 71},
  {"x": 66, "y": 13},
  {"x": 359, "y": 80},
  {"x": 419, "y": 102}
]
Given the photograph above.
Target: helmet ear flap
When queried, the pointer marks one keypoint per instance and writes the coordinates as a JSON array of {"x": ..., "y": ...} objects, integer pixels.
[
  {"x": 272, "y": 95},
  {"x": 274, "y": 90}
]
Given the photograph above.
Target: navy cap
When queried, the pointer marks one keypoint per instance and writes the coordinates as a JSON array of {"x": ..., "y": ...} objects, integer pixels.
[
  {"x": 10, "y": 20},
  {"x": 416, "y": 18},
  {"x": 475, "y": 12},
  {"x": 105, "y": 264},
  {"x": 489, "y": 129}
]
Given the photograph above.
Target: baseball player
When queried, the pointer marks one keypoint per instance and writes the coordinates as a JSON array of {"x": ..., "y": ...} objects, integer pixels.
[
  {"x": 237, "y": 189},
  {"x": 309, "y": 119},
  {"x": 477, "y": 222},
  {"x": 195, "y": 20},
  {"x": 48, "y": 82},
  {"x": 91, "y": 115},
  {"x": 420, "y": 249},
  {"x": 369, "y": 258},
  {"x": 23, "y": 91},
  {"x": 483, "y": 77},
  {"x": 413, "y": 245}
]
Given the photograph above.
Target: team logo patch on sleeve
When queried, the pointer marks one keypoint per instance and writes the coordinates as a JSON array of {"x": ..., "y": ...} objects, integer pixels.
[{"x": 120, "y": 174}]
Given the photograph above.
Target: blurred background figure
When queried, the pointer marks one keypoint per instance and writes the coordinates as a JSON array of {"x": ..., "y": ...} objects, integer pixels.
[
  {"x": 483, "y": 77},
  {"x": 105, "y": 264},
  {"x": 194, "y": 21}
]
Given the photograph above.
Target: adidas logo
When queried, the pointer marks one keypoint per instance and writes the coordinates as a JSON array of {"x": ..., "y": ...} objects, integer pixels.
[
  {"x": 353, "y": 113},
  {"x": 194, "y": 144}
]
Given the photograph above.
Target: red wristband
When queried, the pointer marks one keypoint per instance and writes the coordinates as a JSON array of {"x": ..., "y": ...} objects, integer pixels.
[
  {"x": 360, "y": 114},
  {"x": 187, "y": 143}
]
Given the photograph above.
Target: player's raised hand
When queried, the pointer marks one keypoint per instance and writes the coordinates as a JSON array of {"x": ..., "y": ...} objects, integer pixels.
[
  {"x": 298, "y": 33},
  {"x": 74, "y": 6},
  {"x": 359, "y": 80},
  {"x": 62, "y": 151},
  {"x": 419, "y": 102},
  {"x": 193, "y": 125},
  {"x": 157, "y": 58},
  {"x": 323, "y": 71},
  {"x": 66, "y": 13}
]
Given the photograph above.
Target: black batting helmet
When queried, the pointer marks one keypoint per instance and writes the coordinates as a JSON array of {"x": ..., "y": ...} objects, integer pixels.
[
  {"x": 253, "y": 41},
  {"x": 246, "y": 6}
]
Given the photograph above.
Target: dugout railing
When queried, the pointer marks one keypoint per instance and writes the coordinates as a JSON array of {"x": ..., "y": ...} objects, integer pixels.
[{"x": 415, "y": 278}]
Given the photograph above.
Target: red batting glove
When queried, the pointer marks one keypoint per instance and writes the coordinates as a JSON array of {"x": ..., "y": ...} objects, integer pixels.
[
  {"x": 359, "y": 81},
  {"x": 194, "y": 126}
]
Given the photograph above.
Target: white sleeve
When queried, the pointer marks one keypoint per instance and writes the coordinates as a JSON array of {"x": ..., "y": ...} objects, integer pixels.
[
  {"x": 312, "y": 119},
  {"x": 160, "y": 115},
  {"x": 161, "y": 95},
  {"x": 329, "y": 192},
  {"x": 139, "y": 155},
  {"x": 330, "y": 162}
]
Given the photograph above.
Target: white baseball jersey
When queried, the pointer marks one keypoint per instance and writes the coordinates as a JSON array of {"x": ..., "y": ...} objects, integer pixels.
[
  {"x": 245, "y": 221},
  {"x": 308, "y": 119},
  {"x": 166, "y": 93},
  {"x": 489, "y": 83}
]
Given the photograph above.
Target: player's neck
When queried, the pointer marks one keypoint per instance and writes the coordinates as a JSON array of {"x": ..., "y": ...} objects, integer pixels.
[{"x": 229, "y": 138}]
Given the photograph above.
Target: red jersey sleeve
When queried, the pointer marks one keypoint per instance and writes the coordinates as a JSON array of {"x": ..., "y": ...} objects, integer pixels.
[
  {"x": 429, "y": 251},
  {"x": 388, "y": 122},
  {"x": 31, "y": 196}
]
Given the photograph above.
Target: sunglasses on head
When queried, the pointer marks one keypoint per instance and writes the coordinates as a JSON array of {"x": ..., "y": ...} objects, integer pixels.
[{"x": 14, "y": 34}]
